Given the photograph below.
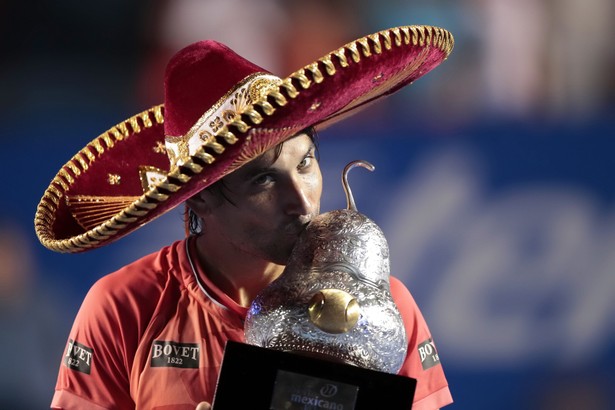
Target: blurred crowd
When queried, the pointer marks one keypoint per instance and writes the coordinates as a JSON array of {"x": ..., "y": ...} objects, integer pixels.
[{"x": 523, "y": 59}]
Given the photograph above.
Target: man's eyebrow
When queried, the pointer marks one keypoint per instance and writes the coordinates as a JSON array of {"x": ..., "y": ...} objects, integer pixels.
[
  {"x": 258, "y": 165},
  {"x": 256, "y": 169},
  {"x": 310, "y": 150}
]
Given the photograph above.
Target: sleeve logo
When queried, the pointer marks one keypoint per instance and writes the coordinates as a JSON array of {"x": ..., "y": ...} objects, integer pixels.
[
  {"x": 428, "y": 354},
  {"x": 173, "y": 354},
  {"x": 78, "y": 357}
]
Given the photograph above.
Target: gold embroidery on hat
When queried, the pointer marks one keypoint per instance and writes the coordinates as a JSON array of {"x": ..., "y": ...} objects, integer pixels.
[
  {"x": 90, "y": 155},
  {"x": 120, "y": 131},
  {"x": 406, "y": 32},
  {"x": 229, "y": 115},
  {"x": 79, "y": 158},
  {"x": 206, "y": 136},
  {"x": 73, "y": 167},
  {"x": 304, "y": 81},
  {"x": 376, "y": 43},
  {"x": 316, "y": 73},
  {"x": 354, "y": 52},
  {"x": 387, "y": 39},
  {"x": 260, "y": 87},
  {"x": 90, "y": 211},
  {"x": 279, "y": 98},
  {"x": 66, "y": 175},
  {"x": 328, "y": 63},
  {"x": 45, "y": 217},
  {"x": 341, "y": 55},
  {"x": 108, "y": 141},
  {"x": 225, "y": 112},
  {"x": 99, "y": 147},
  {"x": 314, "y": 106},
  {"x": 240, "y": 99},
  {"x": 216, "y": 124},
  {"x": 160, "y": 148},
  {"x": 150, "y": 177},
  {"x": 114, "y": 179},
  {"x": 255, "y": 116},
  {"x": 419, "y": 36},
  {"x": 177, "y": 149},
  {"x": 397, "y": 34},
  {"x": 364, "y": 43}
]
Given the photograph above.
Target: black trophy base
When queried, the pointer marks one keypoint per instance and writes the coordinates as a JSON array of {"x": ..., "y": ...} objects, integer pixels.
[{"x": 253, "y": 377}]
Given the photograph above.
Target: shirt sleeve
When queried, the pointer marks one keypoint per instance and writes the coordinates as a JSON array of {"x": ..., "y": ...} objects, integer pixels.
[
  {"x": 94, "y": 368},
  {"x": 422, "y": 361}
]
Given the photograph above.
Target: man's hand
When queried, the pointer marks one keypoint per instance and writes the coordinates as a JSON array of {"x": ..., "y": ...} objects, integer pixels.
[{"x": 203, "y": 406}]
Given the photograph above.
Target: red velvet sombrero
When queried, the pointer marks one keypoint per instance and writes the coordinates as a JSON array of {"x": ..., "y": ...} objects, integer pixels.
[{"x": 220, "y": 111}]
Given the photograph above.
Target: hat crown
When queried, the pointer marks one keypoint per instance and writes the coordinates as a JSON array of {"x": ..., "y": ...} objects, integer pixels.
[{"x": 196, "y": 78}]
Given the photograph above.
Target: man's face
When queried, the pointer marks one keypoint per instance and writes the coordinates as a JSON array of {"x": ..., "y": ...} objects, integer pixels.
[{"x": 268, "y": 202}]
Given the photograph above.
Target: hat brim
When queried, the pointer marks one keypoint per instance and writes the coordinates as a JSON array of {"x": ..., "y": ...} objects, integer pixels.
[{"x": 320, "y": 94}]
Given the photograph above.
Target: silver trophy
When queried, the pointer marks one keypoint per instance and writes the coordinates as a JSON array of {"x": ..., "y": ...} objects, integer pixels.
[{"x": 333, "y": 300}]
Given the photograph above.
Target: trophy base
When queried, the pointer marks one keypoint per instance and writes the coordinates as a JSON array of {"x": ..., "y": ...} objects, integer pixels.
[{"x": 253, "y": 377}]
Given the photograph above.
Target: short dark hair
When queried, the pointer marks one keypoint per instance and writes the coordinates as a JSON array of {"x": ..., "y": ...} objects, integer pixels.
[{"x": 192, "y": 220}]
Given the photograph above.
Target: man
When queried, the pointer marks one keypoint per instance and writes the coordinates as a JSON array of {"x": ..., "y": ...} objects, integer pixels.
[{"x": 237, "y": 145}]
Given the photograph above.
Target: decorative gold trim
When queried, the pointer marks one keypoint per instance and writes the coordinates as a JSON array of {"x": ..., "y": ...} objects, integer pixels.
[
  {"x": 314, "y": 106},
  {"x": 328, "y": 63},
  {"x": 144, "y": 175},
  {"x": 114, "y": 179},
  {"x": 225, "y": 111},
  {"x": 49, "y": 203},
  {"x": 160, "y": 148},
  {"x": 90, "y": 211}
]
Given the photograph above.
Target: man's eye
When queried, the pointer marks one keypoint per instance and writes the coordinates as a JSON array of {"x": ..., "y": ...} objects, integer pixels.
[
  {"x": 263, "y": 179},
  {"x": 306, "y": 162}
]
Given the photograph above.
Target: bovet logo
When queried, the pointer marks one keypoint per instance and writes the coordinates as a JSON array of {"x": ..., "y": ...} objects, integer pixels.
[
  {"x": 428, "y": 354},
  {"x": 78, "y": 357},
  {"x": 174, "y": 354}
]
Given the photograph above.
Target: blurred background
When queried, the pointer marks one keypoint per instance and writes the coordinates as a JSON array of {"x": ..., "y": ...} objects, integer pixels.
[{"x": 493, "y": 182}]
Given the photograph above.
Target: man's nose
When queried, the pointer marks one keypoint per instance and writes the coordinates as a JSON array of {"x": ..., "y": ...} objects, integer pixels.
[{"x": 299, "y": 197}]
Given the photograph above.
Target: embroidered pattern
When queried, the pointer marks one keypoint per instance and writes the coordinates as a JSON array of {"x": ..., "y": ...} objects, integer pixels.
[
  {"x": 253, "y": 88},
  {"x": 90, "y": 211},
  {"x": 160, "y": 148},
  {"x": 151, "y": 177},
  {"x": 114, "y": 179}
]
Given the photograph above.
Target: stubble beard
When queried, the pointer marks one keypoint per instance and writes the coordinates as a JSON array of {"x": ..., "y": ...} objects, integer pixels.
[{"x": 282, "y": 249}]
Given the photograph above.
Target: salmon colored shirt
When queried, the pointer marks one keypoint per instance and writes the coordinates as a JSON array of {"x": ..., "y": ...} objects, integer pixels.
[{"x": 152, "y": 336}]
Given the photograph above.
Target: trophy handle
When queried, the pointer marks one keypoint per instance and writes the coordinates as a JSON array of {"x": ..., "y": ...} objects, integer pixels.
[{"x": 349, "y": 198}]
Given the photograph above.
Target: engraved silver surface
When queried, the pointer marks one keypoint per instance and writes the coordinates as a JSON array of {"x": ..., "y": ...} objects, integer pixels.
[{"x": 345, "y": 250}]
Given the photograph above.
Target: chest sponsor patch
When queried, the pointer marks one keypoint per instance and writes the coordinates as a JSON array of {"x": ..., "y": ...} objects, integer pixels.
[
  {"x": 428, "y": 354},
  {"x": 174, "y": 354},
  {"x": 78, "y": 357}
]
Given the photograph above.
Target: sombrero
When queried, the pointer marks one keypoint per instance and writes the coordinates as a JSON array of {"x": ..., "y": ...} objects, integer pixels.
[{"x": 220, "y": 111}]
